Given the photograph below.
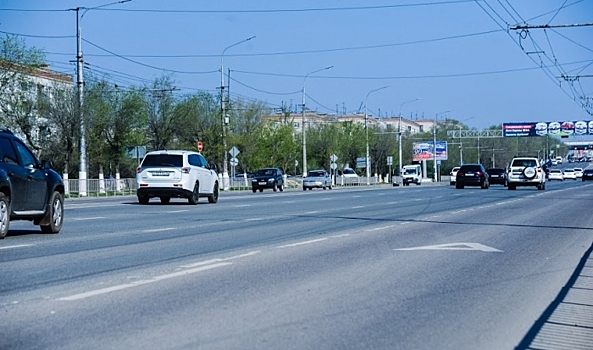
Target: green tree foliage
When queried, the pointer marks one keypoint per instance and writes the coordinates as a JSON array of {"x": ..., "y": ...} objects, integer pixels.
[{"x": 159, "y": 103}]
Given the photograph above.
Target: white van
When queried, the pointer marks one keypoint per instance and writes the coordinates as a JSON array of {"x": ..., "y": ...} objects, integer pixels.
[{"x": 412, "y": 174}]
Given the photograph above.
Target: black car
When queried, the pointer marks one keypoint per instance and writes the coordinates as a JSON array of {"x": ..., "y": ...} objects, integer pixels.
[
  {"x": 267, "y": 178},
  {"x": 587, "y": 174},
  {"x": 29, "y": 189},
  {"x": 497, "y": 176},
  {"x": 472, "y": 175}
]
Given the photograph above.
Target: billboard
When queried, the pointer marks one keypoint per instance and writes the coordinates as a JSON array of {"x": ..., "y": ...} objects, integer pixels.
[
  {"x": 425, "y": 150},
  {"x": 557, "y": 129}
]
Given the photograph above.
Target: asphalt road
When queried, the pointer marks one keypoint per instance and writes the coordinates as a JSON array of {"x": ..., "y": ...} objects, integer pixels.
[{"x": 419, "y": 267}]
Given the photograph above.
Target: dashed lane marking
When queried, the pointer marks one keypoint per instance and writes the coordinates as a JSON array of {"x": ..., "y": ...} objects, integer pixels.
[{"x": 303, "y": 243}]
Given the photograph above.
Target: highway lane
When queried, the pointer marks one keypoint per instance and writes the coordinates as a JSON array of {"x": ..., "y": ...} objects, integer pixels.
[{"x": 421, "y": 267}]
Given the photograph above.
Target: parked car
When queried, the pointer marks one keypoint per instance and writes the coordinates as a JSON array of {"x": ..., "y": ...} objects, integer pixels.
[
  {"x": 29, "y": 189},
  {"x": 317, "y": 179},
  {"x": 569, "y": 174},
  {"x": 349, "y": 173},
  {"x": 453, "y": 175},
  {"x": 556, "y": 174},
  {"x": 526, "y": 171},
  {"x": 267, "y": 178},
  {"x": 578, "y": 172},
  {"x": 588, "y": 174},
  {"x": 176, "y": 174},
  {"x": 497, "y": 176},
  {"x": 472, "y": 175}
]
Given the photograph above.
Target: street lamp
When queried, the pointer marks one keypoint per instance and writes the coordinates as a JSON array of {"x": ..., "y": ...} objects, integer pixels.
[
  {"x": 434, "y": 144},
  {"x": 366, "y": 127},
  {"x": 303, "y": 119},
  {"x": 82, "y": 172},
  {"x": 225, "y": 118},
  {"x": 400, "y": 132}
]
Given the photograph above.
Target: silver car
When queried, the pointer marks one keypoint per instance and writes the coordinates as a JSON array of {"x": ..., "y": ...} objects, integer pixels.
[{"x": 317, "y": 179}]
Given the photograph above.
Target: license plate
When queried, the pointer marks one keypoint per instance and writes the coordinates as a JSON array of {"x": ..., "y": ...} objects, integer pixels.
[
  {"x": 160, "y": 173},
  {"x": 262, "y": 183},
  {"x": 493, "y": 175},
  {"x": 469, "y": 174}
]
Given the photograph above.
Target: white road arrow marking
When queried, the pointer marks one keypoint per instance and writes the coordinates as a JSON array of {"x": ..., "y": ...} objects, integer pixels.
[{"x": 456, "y": 246}]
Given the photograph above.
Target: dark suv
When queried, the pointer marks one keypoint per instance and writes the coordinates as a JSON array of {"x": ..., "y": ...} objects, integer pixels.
[
  {"x": 29, "y": 189},
  {"x": 472, "y": 175}
]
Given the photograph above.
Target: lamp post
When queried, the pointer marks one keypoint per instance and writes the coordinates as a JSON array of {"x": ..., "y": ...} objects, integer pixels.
[
  {"x": 303, "y": 119},
  {"x": 224, "y": 117},
  {"x": 434, "y": 144},
  {"x": 366, "y": 127},
  {"x": 461, "y": 143},
  {"x": 400, "y": 133},
  {"x": 82, "y": 172}
]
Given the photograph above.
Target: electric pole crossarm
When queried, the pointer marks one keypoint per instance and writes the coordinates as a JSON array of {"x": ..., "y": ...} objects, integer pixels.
[{"x": 545, "y": 26}]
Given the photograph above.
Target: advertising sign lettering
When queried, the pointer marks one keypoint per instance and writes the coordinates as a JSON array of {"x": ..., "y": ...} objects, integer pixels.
[{"x": 426, "y": 151}]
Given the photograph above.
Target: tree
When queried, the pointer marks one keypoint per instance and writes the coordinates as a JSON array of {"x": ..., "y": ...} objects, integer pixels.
[{"x": 159, "y": 104}]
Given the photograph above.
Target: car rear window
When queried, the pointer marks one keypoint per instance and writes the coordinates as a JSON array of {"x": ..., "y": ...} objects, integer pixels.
[
  {"x": 315, "y": 173},
  {"x": 524, "y": 162},
  {"x": 495, "y": 171},
  {"x": 470, "y": 168},
  {"x": 175, "y": 160}
]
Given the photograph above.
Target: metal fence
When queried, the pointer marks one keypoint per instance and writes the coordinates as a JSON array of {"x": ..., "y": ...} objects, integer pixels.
[{"x": 125, "y": 187}]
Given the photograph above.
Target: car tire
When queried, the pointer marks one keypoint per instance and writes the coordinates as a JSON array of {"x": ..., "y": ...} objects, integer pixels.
[
  {"x": 323, "y": 187},
  {"x": 330, "y": 187},
  {"x": 458, "y": 186},
  {"x": 304, "y": 188},
  {"x": 275, "y": 188},
  {"x": 281, "y": 188},
  {"x": 194, "y": 196},
  {"x": 143, "y": 199},
  {"x": 4, "y": 215},
  {"x": 254, "y": 189},
  {"x": 261, "y": 189},
  {"x": 165, "y": 200},
  {"x": 55, "y": 214},
  {"x": 451, "y": 183},
  {"x": 529, "y": 172},
  {"x": 214, "y": 197}
]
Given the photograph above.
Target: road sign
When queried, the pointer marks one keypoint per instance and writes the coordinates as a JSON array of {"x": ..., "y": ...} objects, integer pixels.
[
  {"x": 200, "y": 146},
  {"x": 333, "y": 157},
  {"x": 389, "y": 160},
  {"x": 334, "y": 166},
  {"x": 234, "y": 151},
  {"x": 234, "y": 161}
]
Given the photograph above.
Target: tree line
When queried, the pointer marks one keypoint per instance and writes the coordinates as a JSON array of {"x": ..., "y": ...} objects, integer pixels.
[{"x": 156, "y": 116}]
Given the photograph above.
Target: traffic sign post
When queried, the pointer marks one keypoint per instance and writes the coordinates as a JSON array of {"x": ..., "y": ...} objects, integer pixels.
[{"x": 200, "y": 146}]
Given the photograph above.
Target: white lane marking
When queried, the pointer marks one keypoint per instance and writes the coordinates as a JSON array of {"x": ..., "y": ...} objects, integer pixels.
[
  {"x": 16, "y": 246},
  {"x": 92, "y": 218},
  {"x": 141, "y": 282},
  {"x": 159, "y": 229},
  {"x": 356, "y": 196},
  {"x": 391, "y": 203},
  {"x": 302, "y": 243},
  {"x": 405, "y": 222},
  {"x": 358, "y": 207},
  {"x": 340, "y": 235},
  {"x": 312, "y": 212},
  {"x": 254, "y": 219},
  {"x": 217, "y": 260},
  {"x": 242, "y": 205},
  {"x": 289, "y": 202},
  {"x": 456, "y": 246},
  {"x": 418, "y": 199},
  {"x": 379, "y": 228},
  {"x": 326, "y": 199},
  {"x": 177, "y": 211}
]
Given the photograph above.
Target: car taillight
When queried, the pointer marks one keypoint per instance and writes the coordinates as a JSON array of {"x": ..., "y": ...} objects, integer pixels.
[
  {"x": 138, "y": 170},
  {"x": 539, "y": 170},
  {"x": 460, "y": 173},
  {"x": 478, "y": 173},
  {"x": 185, "y": 170}
]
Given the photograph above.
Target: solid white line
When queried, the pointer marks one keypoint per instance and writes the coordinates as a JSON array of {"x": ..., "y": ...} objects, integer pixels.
[
  {"x": 93, "y": 218},
  {"x": 177, "y": 211},
  {"x": 405, "y": 222},
  {"x": 142, "y": 282},
  {"x": 358, "y": 207},
  {"x": 159, "y": 229},
  {"x": 340, "y": 236},
  {"x": 312, "y": 212},
  {"x": 254, "y": 219},
  {"x": 242, "y": 205},
  {"x": 16, "y": 246},
  {"x": 289, "y": 202},
  {"x": 302, "y": 243}
]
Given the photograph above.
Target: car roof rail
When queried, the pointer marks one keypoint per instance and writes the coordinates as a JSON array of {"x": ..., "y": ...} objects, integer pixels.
[{"x": 6, "y": 130}]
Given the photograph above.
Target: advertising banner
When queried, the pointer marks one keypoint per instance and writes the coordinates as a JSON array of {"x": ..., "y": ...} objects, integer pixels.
[
  {"x": 558, "y": 129},
  {"x": 425, "y": 150}
]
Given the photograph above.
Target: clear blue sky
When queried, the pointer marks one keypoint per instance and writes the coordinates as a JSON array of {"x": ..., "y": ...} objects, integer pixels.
[{"x": 455, "y": 56}]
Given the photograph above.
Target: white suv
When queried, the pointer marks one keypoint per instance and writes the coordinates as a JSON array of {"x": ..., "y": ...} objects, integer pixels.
[
  {"x": 526, "y": 171},
  {"x": 184, "y": 174}
]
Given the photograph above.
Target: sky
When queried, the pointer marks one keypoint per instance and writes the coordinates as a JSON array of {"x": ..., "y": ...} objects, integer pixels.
[{"x": 424, "y": 59}]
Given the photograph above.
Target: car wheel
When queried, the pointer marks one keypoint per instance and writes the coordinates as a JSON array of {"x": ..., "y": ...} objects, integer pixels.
[
  {"x": 281, "y": 188},
  {"x": 4, "y": 215},
  {"x": 261, "y": 189},
  {"x": 451, "y": 183},
  {"x": 323, "y": 187},
  {"x": 55, "y": 214},
  {"x": 143, "y": 199},
  {"x": 275, "y": 188},
  {"x": 194, "y": 197},
  {"x": 165, "y": 200},
  {"x": 253, "y": 189},
  {"x": 214, "y": 197},
  {"x": 330, "y": 187},
  {"x": 304, "y": 188},
  {"x": 458, "y": 186}
]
